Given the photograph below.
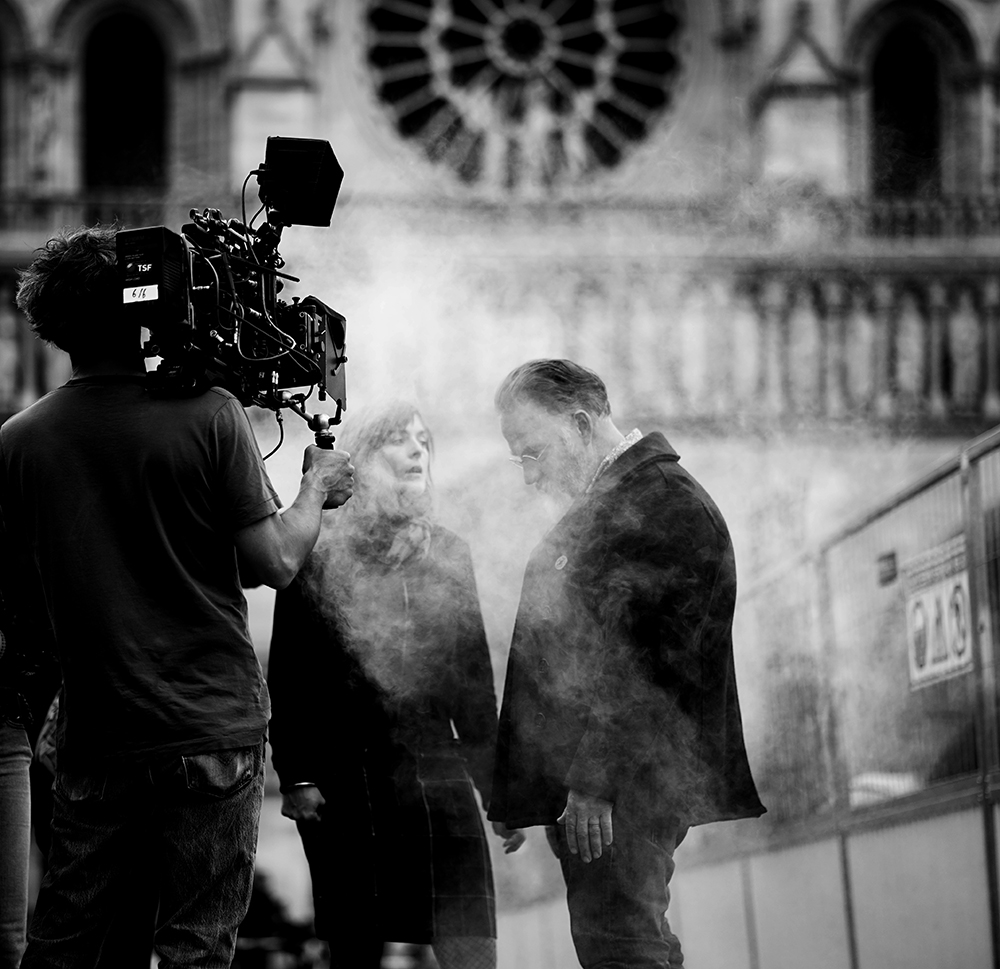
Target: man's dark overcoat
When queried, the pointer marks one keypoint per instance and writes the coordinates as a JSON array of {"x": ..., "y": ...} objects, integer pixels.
[{"x": 620, "y": 681}]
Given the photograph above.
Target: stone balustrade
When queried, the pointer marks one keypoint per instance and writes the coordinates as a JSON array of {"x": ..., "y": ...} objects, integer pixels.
[
  {"x": 739, "y": 328},
  {"x": 885, "y": 345}
]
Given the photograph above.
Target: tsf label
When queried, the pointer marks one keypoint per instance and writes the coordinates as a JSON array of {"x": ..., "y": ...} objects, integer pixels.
[{"x": 938, "y": 623}]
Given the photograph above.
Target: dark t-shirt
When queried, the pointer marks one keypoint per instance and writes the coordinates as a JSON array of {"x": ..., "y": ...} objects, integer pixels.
[{"x": 124, "y": 507}]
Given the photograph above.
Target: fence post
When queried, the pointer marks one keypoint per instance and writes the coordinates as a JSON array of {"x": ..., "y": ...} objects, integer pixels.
[
  {"x": 832, "y": 749},
  {"x": 984, "y": 672}
]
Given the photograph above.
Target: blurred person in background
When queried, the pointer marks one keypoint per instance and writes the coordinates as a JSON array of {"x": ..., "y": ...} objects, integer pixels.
[
  {"x": 28, "y": 670},
  {"x": 129, "y": 512},
  {"x": 620, "y": 726},
  {"x": 384, "y": 715},
  {"x": 15, "y": 838}
]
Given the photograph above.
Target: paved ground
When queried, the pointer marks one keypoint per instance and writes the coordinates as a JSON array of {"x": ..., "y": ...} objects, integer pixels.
[{"x": 536, "y": 938}]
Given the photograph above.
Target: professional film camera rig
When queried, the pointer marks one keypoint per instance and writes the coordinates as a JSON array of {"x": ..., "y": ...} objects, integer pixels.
[{"x": 208, "y": 296}]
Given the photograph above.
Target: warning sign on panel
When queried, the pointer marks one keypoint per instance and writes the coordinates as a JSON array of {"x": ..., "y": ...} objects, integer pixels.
[{"x": 938, "y": 632}]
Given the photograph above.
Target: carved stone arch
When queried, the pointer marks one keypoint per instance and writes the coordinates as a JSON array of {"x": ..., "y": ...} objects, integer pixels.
[
  {"x": 14, "y": 33},
  {"x": 941, "y": 33},
  {"x": 193, "y": 37},
  {"x": 944, "y": 22},
  {"x": 176, "y": 22}
]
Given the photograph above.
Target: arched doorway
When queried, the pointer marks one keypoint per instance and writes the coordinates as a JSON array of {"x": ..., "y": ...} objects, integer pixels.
[
  {"x": 915, "y": 116},
  {"x": 124, "y": 105},
  {"x": 906, "y": 115}
]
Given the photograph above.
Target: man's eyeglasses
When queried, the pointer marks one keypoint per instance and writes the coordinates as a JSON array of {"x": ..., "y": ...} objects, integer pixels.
[{"x": 519, "y": 459}]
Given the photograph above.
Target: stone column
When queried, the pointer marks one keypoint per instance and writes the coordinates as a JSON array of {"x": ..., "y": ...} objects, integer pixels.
[
  {"x": 883, "y": 385},
  {"x": 746, "y": 348},
  {"x": 838, "y": 299},
  {"x": 773, "y": 306},
  {"x": 11, "y": 356},
  {"x": 41, "y": 99},
  {"x": 937, "y": 302},
  {"x": 991, "y": 334},
  {"x": 720, "y": 365}
]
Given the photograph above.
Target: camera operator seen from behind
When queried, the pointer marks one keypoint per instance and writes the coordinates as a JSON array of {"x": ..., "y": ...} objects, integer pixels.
[{"x": 131, "y": 511}]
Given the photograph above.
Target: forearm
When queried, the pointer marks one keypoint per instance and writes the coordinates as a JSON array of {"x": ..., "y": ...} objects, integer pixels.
[
  {"x": 273, "y": 549},
  {"x": 300, "y": 523}
]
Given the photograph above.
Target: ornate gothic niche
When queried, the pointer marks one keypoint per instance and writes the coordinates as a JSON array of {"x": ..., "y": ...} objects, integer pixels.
[
  {"x": 187, "y": 41},
  {"x": 914, "y": 126},
  {"x": 525, "y": 96},
  {"x": 16, "y": 96},
  {"x": 181, "y": 24}
]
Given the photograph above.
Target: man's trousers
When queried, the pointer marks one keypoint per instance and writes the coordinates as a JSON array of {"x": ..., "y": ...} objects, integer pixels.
[
  {"x": 186, "y": 825},
  {"x": 618, "y": 902}
]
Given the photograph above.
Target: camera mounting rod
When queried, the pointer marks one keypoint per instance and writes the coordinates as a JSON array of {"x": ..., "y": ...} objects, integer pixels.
[{"x": 320, "y": 424}]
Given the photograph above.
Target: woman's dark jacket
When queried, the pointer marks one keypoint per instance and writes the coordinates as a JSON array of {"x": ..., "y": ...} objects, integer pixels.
[
  {"x": 387, "y": 731},
  {"x": 620, "y": 681}
]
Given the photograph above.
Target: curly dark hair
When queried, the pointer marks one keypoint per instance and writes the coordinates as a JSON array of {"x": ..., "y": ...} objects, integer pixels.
[{"x": 70, "y": 292}]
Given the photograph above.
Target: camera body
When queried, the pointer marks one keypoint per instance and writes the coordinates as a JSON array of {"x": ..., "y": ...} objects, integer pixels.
[{"x": 208, "y": 295}]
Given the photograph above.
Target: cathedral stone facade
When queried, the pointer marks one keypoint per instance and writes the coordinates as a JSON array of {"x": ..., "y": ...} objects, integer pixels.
[
  {"x": 761, "y": 220},
  {"x": 773, "y": 226}
]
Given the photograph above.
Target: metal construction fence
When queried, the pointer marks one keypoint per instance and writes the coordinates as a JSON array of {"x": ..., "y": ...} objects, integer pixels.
[{"x": 867, "y": 665}]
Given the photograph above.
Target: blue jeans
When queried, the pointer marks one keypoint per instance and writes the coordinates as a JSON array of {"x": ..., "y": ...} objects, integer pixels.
[
  {"x": 618, "y": 902},
  {"x": 15, "y": 841},
  {"x": 186, "y": 824}
]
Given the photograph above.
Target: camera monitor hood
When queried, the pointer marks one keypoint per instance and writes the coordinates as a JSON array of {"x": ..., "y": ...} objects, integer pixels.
[{"x": 299, "y": 180}]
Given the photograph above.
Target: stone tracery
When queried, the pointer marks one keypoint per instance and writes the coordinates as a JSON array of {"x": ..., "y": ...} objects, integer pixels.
[{"x": 525, "y": 95}]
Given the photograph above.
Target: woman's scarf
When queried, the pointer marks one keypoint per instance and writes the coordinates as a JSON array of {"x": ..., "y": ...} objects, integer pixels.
[{"x": 393, "y": 542}]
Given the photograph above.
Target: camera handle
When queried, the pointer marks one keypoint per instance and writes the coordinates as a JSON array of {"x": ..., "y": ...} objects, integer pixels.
[{"x": 320, "y": 424}]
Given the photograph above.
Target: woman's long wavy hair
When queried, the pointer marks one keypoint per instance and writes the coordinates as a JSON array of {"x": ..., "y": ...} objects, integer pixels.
[
  {"x": 375, "y": 496},
  {"x": 354, "y": 533},
  {"x": 347, "y": 571}
]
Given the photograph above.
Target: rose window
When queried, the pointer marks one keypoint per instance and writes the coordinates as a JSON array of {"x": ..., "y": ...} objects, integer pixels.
[{"x": 522, "y": 94}]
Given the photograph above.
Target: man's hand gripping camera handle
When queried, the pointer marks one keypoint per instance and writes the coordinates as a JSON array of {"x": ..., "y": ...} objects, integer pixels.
[
  {"x": 332, "y": 471},
  {"x": 336, "y": 468}
]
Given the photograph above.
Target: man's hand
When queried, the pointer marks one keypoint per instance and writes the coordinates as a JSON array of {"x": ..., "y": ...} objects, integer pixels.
[
  {"x": 588, "y": 825},
  {"x": 331, "y": 472},
  {"x": 273, "y": 549},
  {"x": 513, "y": 838},
  {"x": 302, "y": 803}
]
